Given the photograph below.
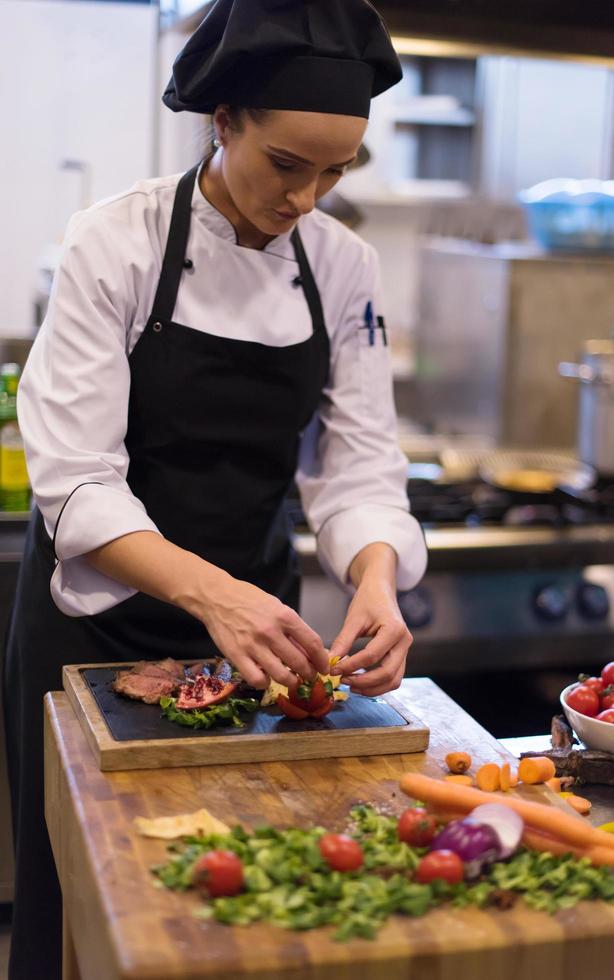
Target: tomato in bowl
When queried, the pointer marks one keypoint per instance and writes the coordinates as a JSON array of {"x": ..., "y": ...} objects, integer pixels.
[{"x": 595, "y": 733}]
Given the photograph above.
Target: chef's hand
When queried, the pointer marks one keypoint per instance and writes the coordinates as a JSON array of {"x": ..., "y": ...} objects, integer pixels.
[
  {"x": 374, "y": 612},
  {"x": 254, "y": 630},
  {"x": 262, "y": 637}
]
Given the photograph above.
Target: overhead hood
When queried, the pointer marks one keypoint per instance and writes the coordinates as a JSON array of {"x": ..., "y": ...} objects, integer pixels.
[
  {"x": 579, "y": 29},
  {"x": 576, "y": 28}
]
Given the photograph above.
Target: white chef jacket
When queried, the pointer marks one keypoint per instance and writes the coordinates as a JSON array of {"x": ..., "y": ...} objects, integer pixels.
[{"x": 73, "y": 396}]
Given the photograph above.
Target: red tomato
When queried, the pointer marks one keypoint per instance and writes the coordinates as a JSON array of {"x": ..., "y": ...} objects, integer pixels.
[
  {"x": 323, "y": 709},
  {"x": 584, "y": 700},
  {"x": 596, "y": 683},
  {"x": 607, "y": 698},
  {"x": 341, "y": 853},
  {"x": 440, "y": 864},
  {"x": 607, "y": 715},
  {"x": 310, "y": 695},
  {"x": 416, "y": 827},
  {"x": 607, "y": 674},
  {"x": 290, "y": 709},
  {"x": 218, "y": 873}
]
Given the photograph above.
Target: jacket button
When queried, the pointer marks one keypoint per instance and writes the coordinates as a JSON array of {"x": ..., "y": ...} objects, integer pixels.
[{"x": 157, "y": 326}]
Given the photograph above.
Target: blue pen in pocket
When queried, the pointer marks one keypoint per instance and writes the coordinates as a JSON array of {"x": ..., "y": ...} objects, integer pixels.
[{"x": 369, "y": 323}]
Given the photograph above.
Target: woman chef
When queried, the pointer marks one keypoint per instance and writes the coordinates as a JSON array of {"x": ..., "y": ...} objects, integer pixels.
[{"x": 211, "y": 338}]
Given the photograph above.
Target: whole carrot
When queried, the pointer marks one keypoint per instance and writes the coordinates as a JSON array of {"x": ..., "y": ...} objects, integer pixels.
[
  {"x": 545, "y": 842},
  {"x": 450, "y": 796}
]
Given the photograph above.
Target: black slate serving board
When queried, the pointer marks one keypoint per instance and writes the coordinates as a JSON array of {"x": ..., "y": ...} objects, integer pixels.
[{"x": 129, "y": 720}]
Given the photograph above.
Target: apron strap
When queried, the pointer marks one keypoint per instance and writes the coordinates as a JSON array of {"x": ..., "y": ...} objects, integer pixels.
[
  {"x": 174, "y": 257},
  {"x": 312, "y": 294},
  {"x": 176, "y": 244}
]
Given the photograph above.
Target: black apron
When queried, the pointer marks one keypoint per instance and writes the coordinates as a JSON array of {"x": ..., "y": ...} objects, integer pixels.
[{"x": 213, "y": 435}]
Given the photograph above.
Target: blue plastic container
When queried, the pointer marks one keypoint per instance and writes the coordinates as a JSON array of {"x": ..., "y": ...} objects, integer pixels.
[{"x": 571, "y": 215}]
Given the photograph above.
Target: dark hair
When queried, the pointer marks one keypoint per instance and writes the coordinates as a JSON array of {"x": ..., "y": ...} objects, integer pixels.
[{"x": 237, "y": 115}]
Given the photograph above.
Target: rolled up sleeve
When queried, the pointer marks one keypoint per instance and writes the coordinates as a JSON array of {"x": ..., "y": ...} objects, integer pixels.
[
  {"x": 73, "y": 409},
  {"x": 352, "y": 475}
]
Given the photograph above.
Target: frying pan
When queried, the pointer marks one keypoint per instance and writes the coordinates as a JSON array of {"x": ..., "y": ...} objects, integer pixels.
[{"x": 537, "y": 474}]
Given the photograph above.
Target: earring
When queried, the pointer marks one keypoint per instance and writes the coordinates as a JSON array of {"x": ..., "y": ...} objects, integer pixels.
[{"x": 216, "y": 143}]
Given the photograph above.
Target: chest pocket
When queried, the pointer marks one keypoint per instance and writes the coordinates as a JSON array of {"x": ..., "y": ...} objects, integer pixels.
[{"x": 375, "y": 375}]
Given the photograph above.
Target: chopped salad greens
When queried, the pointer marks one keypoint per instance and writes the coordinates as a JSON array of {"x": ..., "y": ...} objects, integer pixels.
[
  {"x": 228, "y": 712},
  {"x": 288, "y": 883}
]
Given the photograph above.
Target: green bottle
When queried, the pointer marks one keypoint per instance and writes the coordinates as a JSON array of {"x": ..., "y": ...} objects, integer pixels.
[{"x": 14, "y": 482}]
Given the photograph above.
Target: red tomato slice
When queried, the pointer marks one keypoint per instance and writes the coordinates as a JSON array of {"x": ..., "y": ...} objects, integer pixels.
[
  {"x": 291, "y": 710},
  {"x": 324, "y": 709},
  {"x": 310, "y": 695}
]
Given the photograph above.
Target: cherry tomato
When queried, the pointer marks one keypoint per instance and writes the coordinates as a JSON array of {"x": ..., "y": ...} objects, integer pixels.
[
  {"x": 218, "y": 873},
  {"x": 596, "y": 683},
  {"x": 607, "y": 715},
  {"x": 341, "y": 853},
  {"x": 584, "y": 700},
  {"x": 440, "y": 864},
  {"x": 416, "y": 827},
  {"x": 607, "y": 698},
  {"x": 607, "y": 674},
  {"x": 310, "y": 695}
]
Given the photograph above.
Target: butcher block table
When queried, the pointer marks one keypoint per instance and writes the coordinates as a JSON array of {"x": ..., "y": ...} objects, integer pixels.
[{"x": 119, "y": 926}]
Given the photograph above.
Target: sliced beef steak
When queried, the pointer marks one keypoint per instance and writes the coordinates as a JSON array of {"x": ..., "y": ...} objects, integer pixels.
[
  {"x": 160, "y": 668},
  {"x": 147, "y": 687}
]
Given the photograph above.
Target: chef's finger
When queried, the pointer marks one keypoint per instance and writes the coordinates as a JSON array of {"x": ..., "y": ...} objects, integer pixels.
[
  {"x": 293, "y": 656},
  {"x": 251, "y": 672},
  {"x": 309, "y": 640},
  {"x": 274, "y": 667},
  {"x": 341, "y": 646},
  {"x": 383, "y": 688},
  {"x": 377, "y": 648},
  {"x": 386, "y": 677}
]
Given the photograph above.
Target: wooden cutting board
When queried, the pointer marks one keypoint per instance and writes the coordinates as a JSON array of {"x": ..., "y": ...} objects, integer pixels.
[{"x": 125, "y": 734}]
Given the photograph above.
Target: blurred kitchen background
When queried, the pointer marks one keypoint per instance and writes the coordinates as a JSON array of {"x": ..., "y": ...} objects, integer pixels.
[{"x": 500, "y": 306}]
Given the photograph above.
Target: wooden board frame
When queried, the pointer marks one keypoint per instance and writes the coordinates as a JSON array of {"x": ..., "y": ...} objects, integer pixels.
[{"x": 112, "y": 755}]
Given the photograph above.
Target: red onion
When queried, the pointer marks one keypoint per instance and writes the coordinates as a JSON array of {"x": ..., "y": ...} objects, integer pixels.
[
  {"x": 476, "y": 844},
  {"x": 506, "y": 823}
]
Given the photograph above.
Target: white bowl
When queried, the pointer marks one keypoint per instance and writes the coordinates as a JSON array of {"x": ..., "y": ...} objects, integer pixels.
[{"x": 594, "y": 733}]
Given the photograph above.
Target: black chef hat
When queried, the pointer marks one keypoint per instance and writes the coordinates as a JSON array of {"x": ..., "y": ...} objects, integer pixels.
[{"x": 311, "y": 55}]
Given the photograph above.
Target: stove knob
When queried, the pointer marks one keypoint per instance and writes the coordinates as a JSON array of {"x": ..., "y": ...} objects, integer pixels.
[
  {"x": 551, "y": 602},
  {"x": 593, "y": 601},
  {"x": 417, "y": 607}
]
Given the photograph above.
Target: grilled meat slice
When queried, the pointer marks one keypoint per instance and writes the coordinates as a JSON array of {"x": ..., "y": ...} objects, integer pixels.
[
  {"x": 160, "y": 668},
  {"x": 147, "y": 687}
]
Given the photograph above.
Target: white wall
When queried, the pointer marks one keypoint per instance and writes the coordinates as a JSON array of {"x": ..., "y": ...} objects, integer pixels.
[
  {"x": 181, "y": 134},
  {"x": 78, "y": 81},
  {"x": 543, "y": 119}
]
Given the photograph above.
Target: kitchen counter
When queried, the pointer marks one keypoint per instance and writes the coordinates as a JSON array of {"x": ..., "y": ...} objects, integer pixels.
[{"x": 119, "y": 926}]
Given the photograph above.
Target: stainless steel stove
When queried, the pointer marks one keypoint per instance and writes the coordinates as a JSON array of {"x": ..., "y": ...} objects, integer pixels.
[{"x": 515, "y": 586}]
